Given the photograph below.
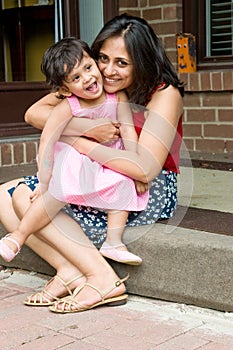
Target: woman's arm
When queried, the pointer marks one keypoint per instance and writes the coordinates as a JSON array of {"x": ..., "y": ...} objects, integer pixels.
[
  {"x": 154, "y": 142},
  {"x": 39, "y": 112},
  {"x": 101, "y": 130}
]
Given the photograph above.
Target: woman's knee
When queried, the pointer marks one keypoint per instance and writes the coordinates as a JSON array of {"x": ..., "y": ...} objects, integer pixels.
[{"x": 5, "y": 190}]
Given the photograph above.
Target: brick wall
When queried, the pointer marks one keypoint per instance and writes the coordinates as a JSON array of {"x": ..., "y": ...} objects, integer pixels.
[
  {"x": 15, "y": 151},
  {"x": 208, "y": 115},
  {"x": 208, "y": 101}
]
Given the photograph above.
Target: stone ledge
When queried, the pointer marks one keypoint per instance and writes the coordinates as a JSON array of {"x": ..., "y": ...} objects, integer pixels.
[{"x": 180, "y": 265}]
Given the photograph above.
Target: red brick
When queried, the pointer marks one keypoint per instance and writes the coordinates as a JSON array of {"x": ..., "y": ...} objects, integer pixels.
[
  {"x": 152, "y": 14},
  {"x": 228, "y": 80},
  {"x": 162, "y": 2},
  {"x": 201, "y": 115},
  {"x": 218, "y": 131},
  {"x": 18, "y": 153},
  {"x": 217, "y": 99},
  {"x": 172, "y": 57},
  {"x": 194, "y": 82},
  {"x": 166, "y": 28},
  {"x": 205, "y": 81},
  {"x": 192, "y": 130},
  {"x": 6, "y": 154},
  {"x": 31, "y": 151},
  {"x": 131, "y": 12},
  {"x": 171, "y": 12},
  {"x": 210, "y": 146},
  {"x": 216, "y": 78},
  {"x": 184, "y": 77},
  {"x": 225, "y": 115},
  {"x": 170, "y": 42},
  {"x": 192, "y": 100},
  {"x": 128, "y": 3},
  {"x": 189, "y": 143},
  {"x": 229, "y": 146},
  {"x": 142, "y": 3}
]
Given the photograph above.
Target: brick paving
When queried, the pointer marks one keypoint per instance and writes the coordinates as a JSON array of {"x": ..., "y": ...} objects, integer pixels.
[{"x": 141, "y": 324}]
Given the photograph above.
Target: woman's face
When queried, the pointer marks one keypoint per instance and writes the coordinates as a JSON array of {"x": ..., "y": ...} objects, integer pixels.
[{"x": 115, "y": 65}]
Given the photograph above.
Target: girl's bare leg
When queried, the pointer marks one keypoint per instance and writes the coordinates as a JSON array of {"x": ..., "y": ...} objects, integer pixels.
[
  {"x": 113, "y": 247},
  {"x": 41, "y": 211},
  {"x": 116, "y": 225}
]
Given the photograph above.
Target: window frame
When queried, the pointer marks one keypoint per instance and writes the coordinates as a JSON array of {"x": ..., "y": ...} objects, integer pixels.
[{"x": 194, "y": 21}]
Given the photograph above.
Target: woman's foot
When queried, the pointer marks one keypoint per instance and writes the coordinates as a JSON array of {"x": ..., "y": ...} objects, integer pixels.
[
  {"x": 54, "y": 290},
  {"x": 120, "y": 254},
  {"x": 90, "y": 295},
  {"x": 9, "y": 248}
]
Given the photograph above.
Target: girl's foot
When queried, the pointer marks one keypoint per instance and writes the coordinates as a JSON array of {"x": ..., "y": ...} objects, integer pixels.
[
  {"x": 120, "y": 254},
  {"x": 54, "y": 290},
  {"x": 9, "y": 248}
]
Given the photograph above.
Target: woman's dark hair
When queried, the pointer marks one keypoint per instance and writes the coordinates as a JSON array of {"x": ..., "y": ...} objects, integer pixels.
[
  {"x": 151, "y": 64},
  {"x": 60, "y": 58}
]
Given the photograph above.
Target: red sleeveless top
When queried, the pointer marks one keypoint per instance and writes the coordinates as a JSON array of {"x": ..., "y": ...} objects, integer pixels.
[{"x": 172, "y": 162}]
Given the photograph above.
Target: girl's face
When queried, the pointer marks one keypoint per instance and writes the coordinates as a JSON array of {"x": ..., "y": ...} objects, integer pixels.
[
  {"x": 85, "y": 80},
  {"x": 115, "y": 65}
]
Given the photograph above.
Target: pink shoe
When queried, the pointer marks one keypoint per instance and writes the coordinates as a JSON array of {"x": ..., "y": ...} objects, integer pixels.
[
  {"x": 122, "y": 256},
  {"x": 7, "y": 253}
]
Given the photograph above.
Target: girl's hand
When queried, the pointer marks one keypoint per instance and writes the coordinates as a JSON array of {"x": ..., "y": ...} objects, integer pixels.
[
  {"x": 35, "y": 194},
  {"x": 141, "y": 187},
  {"x": 104, "y": 131},
  {"x": 39, "y": 190}
]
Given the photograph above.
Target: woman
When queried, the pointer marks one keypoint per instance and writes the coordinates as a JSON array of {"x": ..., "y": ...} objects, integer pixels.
[{"x": 149, "y": 80}]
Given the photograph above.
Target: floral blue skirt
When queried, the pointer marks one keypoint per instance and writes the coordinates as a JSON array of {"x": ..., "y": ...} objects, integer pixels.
[{"x": 161, "y": 205}]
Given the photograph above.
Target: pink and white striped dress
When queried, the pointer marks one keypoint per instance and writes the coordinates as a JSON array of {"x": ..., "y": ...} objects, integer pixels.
[{"x": 77, "y": 179}]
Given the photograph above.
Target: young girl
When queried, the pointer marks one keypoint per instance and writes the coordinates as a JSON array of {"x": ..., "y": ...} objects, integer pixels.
[{"x": 67, "y": 176}]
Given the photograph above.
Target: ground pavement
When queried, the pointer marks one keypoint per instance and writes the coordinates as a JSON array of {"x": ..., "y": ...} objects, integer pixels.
[{"x": 141, "y": 324}]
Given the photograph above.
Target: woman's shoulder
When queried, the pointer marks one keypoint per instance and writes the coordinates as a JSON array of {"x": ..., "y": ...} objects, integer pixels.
[
  {"x": 166, "y": 99},
  {"x": 169, "y": 91}
]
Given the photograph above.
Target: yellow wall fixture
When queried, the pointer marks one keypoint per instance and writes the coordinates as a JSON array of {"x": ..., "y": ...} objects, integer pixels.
[{"x": 186, "y": 52}]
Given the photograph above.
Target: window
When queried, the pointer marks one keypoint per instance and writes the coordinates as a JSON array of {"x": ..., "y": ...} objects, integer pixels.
[
  {"x": 211, "y": 21},
  {"x": 26, "y": 31}
]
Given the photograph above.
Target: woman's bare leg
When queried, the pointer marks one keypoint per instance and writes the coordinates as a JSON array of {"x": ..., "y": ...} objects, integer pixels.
[
  {"x": 10, "y": 221},
  {"x": 68, "y": 239}
]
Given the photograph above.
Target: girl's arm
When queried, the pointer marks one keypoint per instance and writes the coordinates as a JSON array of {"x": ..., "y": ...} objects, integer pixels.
[
  {"x": 154, "y": 143},
  {"x": 57, "y": 121},
  {"x": 125, "y": 118},
  {"x": 101, "y": 130}
]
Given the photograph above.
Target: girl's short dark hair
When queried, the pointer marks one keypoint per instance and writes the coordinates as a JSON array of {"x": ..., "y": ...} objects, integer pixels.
[
  {"x": 64, "y": 53},
  {"x": 151, "y": 64}
]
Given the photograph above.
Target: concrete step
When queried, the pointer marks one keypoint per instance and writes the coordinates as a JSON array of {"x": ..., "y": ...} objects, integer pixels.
[{"x": 187, "y": 259}]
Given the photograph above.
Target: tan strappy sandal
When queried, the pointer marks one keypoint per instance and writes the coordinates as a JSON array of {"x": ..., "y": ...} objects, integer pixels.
[
  {"x": 70, "y": 305},
  {"x": 45, "y": 298}
]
